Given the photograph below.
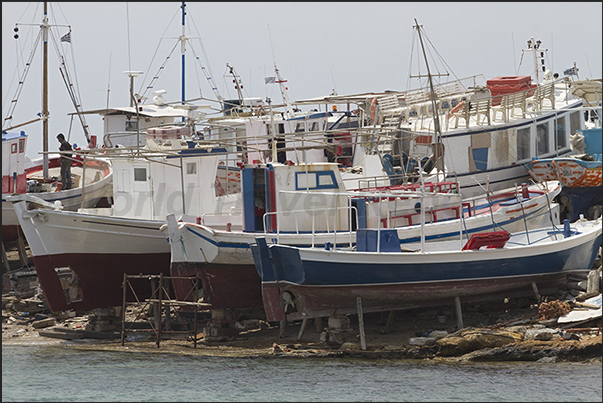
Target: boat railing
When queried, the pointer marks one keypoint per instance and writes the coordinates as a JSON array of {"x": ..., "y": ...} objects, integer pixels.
[
  {"x": 328, "y": 226},
  {"x": 379, "y": 203},
  {"x": 433, "y": 214},
  {"x": 476, "y": 104}
]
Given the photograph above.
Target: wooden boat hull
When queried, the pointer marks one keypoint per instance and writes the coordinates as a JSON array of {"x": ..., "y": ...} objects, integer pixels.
[
  {"x": 326, "y": 282},
  {"x": 224, "y": 286},
  {"x": 81, "y": 258}
]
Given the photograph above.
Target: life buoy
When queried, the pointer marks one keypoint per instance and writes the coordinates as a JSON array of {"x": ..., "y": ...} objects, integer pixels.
[
  {"x": 455, "y": 109},
  {"x": 373, "y": 109}
]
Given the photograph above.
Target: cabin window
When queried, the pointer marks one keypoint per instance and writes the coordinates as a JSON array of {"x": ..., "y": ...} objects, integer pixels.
[
  {"x": 191, "y": 168},
  {"x": 21, "y": 145},
  {"x": 523, "y": 143},
  {"x": 13, "y": 148},
  {"x": 314, "y": 126},
  {"x": 131, "y": 125},
  {"x": 281, "y": 128},
  {"x": 480, "y": 158},
  {"x": 315, "y": 180},
  {"x": 542, "y": 139},
  {"x": 140, "y": 174},
  {"x": 575, "y": 118},
  {"x": 560, "y": 134},
  {"x": 299, "y": 127}
]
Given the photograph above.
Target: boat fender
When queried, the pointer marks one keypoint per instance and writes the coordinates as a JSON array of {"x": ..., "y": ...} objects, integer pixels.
[
  {"x": 455, "y": 109},
  {"x": 373, "y": 110}
]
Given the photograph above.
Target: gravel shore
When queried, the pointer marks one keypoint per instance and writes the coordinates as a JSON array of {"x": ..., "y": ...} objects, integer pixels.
[{"x": 508, "y": 330}]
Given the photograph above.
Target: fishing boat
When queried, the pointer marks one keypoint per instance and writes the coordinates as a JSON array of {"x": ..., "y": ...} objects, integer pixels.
[
  {"x": 91, "y": 176},
  {"x": 302, "y": 283},
  {"x": 482, "y": 131},
  {"x": 305, "y": 205},
  {"x": 81, "y": 256},
  {"x": 580, "y": 171}
]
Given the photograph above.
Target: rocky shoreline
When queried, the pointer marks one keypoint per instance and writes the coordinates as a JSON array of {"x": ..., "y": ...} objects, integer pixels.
[{"x": 518, "y": 329}]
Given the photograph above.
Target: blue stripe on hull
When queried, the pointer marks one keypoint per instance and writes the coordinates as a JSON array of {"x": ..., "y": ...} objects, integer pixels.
[{"x": 294, "y": 270}]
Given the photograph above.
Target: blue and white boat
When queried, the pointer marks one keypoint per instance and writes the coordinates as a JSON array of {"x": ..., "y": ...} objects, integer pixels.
[
  {"x": 303, "y": 283},
  {"x": 305, "y": 205}
]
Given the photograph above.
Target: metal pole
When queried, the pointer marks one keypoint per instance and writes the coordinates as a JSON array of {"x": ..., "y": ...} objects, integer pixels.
[
  {"x": 361, "y": 323},
  {"x": 45, "y": 92},
  {"x": 459, "y": 313},
  {"x": 123, "y": 310}
]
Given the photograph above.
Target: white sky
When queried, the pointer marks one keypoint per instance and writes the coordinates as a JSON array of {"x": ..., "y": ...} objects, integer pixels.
[{"x": 351, "y": 47}]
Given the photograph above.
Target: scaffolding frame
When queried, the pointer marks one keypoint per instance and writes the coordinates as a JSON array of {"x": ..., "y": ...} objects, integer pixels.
[{"x": 160, "y": 301}]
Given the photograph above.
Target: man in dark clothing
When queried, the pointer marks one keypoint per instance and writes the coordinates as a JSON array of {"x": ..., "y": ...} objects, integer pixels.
[{"x": 66, "y": 162}]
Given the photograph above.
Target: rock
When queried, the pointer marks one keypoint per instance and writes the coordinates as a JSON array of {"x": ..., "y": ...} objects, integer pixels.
[
  {"x": 349, "y": 346},
  {"x": 453, "y": 346},
  {"x": 438, "y": 334},
  {"x": 475, "y": 339}
]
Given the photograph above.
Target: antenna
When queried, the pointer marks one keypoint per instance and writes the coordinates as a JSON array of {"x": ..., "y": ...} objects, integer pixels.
[
  {"x": 109, "y": 81},
  {"x": 279, "y": 79}
]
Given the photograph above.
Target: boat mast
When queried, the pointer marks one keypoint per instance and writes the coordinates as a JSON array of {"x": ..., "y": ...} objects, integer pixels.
[
  {"x": 534, "y": 47},
  {"x": 183, "y": 39},
  {"x": 283, "y": 88},
  {"x": 44, "y": 28},
  {"x": 436, "y": 118},
  {"x": 237, "y": 83}
]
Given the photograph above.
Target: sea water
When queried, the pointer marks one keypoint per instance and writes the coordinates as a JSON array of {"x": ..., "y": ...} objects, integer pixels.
[{"x": 44, "y": 373}]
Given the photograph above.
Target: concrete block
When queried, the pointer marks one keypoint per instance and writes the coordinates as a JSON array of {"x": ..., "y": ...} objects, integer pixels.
[
  {"x": 422, "y": 341},
  {"x": 339, "y": 322}
]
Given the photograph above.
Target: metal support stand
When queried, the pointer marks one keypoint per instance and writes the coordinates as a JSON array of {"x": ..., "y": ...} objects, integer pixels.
[
  {"x": 302, "y": 329},
  {"x": 535, "y": 288},
  {"x": 459, "y": 313},
  {"x": 361, "y": 323}
]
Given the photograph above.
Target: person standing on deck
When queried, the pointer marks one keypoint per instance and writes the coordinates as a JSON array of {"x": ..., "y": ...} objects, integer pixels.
[{"x": 66, "y": 162}]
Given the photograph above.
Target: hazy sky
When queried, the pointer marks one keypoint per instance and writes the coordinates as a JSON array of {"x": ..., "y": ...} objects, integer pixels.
[{"x": 319, "y": 47}]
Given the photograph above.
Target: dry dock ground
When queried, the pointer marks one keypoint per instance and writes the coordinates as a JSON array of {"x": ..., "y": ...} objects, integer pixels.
[{"x": 507, "y": 330}]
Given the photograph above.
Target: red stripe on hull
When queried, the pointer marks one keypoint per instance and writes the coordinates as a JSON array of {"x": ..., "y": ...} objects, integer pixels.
[
  {"x": 99, "y": 277},
  {"x": 224, "y": 286}
]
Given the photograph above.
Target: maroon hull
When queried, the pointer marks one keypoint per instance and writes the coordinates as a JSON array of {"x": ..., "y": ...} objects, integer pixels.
[
  {"x": 327, "y": 301},
  {"x": 97, "y": 280},
  {"x": 10, "y": 233},
  {"x": 224, "y": 286}
]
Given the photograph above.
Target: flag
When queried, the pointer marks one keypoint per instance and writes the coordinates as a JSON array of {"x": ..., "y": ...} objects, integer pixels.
[
  {"x": 66, "y": 37},
  {"x": 571, "y": 72},
  {"x": 270, "y": 80}
]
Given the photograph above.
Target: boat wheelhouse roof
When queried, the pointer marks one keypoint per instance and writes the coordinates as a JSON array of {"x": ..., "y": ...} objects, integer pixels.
[
  {"x": 12, "y": 136},
  {"x": 153, "y": 111}
]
